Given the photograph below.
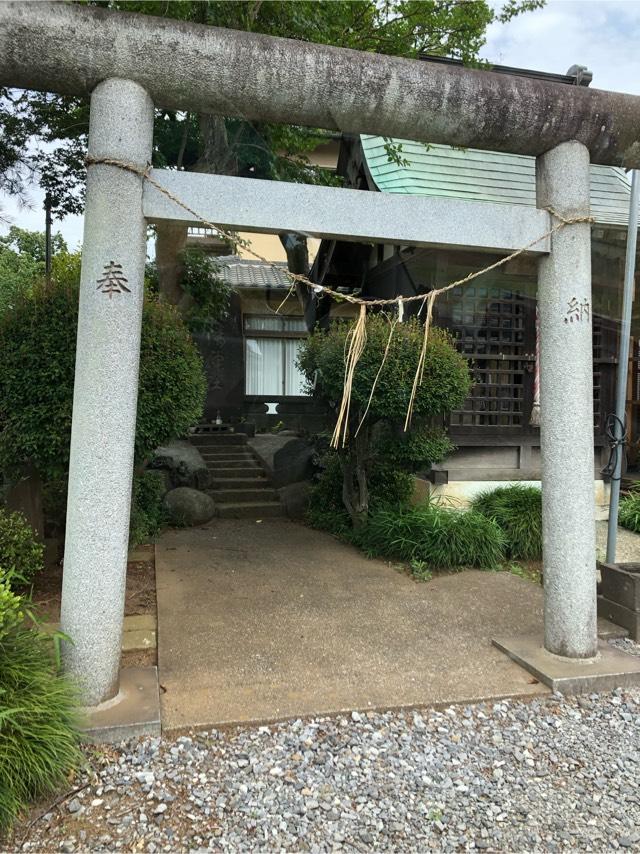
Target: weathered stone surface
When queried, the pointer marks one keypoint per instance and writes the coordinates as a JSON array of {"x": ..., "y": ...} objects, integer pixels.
[
  {"x": 288, "y": 458},
  {"x": 295, "y": 498},
  {"x": 271, "y": 206},
  {"x": 609, "y": 669},
  {"x": 621, "y": 583},
  {"x": 71, "y": 48},
  {"x": 187, "y": 507},
  {"x": 566, "y": 408},
  {"x": 106, "y": 390},
  {"x": 184, "y": 462}
]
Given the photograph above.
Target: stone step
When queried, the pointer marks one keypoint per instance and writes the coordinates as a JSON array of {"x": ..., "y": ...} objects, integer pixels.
[
  {"x": 250, "y": 510},
  {"x": 236, "y": 496},
  {"x": 238, "y": 482},
  {"x": 231, "y": 451},
  {"x": 222, "y": 460},
  {"x": 216, "y": 458},
  {"x": 217, "y": 440},
  {"x": 235, "y": 471},
  {"x": 215, "y": 465}
]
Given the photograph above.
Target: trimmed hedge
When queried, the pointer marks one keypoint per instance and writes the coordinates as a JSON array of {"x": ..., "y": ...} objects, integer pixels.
[{"x": 38, "y": 350}]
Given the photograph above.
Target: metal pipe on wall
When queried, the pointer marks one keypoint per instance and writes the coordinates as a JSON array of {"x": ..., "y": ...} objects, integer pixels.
[{"x": 623, "y": 366}]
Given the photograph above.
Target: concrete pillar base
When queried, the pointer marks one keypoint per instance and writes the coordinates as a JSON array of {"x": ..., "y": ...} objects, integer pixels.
[
  {"x": 609, "y": 669},
  {"x": 132, "y": 713}
]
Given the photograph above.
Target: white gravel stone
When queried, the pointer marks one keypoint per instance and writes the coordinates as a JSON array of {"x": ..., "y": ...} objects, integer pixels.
[{"x": 543, "y": 775}]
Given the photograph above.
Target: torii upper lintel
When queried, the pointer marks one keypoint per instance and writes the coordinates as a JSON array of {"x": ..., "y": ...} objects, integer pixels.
[{"x": 70, "y": 48}]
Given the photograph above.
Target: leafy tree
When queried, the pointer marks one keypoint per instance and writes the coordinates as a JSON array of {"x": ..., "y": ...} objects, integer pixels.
[
  {"x": 43, "y": 136},
  {"x": 446, "y": 383},
  {"x": 22, "y": 261},
  {"x": 31, "y": 243}
]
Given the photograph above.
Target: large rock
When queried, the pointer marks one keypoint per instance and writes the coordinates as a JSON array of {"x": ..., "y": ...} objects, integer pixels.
[
  {"x": 183, "y": 462},
  {"x": 295, "y": 498},
  {"x": 186, "y": 507},
  {"x": 288, "y": 458}
]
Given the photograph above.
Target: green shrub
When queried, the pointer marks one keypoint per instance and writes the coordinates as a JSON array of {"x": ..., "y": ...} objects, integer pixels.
[
  {"x": 434, "y": 536},
  {"x": 416, "y": 450},
  {"x": 38, "y": 723},
  {"x": 38, "y": 351},
  {"x": 629, "y": 511},
  {"x": 21, "y": 554},
  {"x": 11, "y": 612},
  {"x": 446, "y": 378},
  {"x": 517, "y": 509},
  {"x": 147, "y": 513},
  {"x": 381, "y": 390},
  {"x": 173, "y": 384},
  {"x": 388, "y": 487}
]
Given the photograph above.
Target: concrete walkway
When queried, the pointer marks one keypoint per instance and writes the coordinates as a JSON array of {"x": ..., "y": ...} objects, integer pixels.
[
  {"x": 263, "y": 621},
  {"x": 627, "y": 544}
]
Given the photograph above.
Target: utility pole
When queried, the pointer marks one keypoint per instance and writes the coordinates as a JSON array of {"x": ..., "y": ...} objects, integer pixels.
[{"x": 47, "y": 239}]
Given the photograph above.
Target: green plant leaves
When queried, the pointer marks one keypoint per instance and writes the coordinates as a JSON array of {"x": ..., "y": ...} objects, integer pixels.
[
  {"x": 517, "y": 509},
  {"x": 432, "y": 536},
  {"x": 37, "y": 348},
  {"x": 21, "y": 553},
  {"x": 38, "y": 723},
  {"x": 629, "y": 511}
]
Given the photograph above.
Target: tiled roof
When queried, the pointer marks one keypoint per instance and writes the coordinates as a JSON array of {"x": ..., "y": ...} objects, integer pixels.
[
  {"x": 242, "y": 273},
  {"x": 488, "y": 176}
]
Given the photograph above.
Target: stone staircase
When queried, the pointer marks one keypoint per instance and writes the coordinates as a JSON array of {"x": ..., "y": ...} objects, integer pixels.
[{"x": 239, "y": 484}]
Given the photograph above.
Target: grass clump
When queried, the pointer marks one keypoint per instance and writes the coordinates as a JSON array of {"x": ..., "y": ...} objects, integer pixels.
[
  {"x": 38, "y": 726},
  {"x": 629, "y": 511},
  {"x": 517, "y": 510},
  {"x": 434, "y": 536},
  {"x": 38, "y": 723}
]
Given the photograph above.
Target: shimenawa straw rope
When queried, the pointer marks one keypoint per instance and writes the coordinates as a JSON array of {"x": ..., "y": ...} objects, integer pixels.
[{"x": 357, "y": 336}]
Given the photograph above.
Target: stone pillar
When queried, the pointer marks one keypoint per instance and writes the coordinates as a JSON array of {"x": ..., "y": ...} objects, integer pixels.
[
  {"x": 566, "y": 408},
  {"x": 106, "y": 389}
]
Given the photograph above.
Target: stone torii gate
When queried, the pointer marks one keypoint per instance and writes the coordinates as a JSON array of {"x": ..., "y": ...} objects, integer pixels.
[{"x": 131, "y": 63}]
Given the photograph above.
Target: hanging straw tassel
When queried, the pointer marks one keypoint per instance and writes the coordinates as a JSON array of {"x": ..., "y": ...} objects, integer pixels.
[
  {"x": 417, "y": 380},
  {"x": 392, "y": 326},
  {"x": 356, "y": 339}
]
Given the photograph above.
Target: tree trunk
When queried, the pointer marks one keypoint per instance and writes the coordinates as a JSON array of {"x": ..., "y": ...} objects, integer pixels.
[
  {"x": 216, "y": 157},
  {"x": 25, "y": 496},
  {"x": 355, "y": 489},
  {"x": 171, "y": 238},
  {"x": 297, "y": 249}
]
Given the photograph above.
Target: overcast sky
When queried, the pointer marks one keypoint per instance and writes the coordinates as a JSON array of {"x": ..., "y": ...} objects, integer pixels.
[{"x": 604, "y": 35}]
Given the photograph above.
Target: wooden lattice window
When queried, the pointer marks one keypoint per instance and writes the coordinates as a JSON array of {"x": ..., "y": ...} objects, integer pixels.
[
  {"x": 491, "y": 326},
  {"x": 495, "y": 329}
]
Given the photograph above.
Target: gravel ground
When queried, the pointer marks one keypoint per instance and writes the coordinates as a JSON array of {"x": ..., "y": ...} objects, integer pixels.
[
  {"x": 626, "y": 645},
  {"x": 542, "y": 775}
]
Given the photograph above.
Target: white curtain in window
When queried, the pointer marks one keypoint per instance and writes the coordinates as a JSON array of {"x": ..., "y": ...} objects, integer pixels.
[
  {"x": 263, "y": 365},
  {"x": 294, "y": 381},
  {"x": 274, "y": 323},
  {"x": 264, "y": 324}
]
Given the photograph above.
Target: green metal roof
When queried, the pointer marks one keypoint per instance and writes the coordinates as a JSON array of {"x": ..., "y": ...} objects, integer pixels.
[{"x": 486, "y": 176}]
